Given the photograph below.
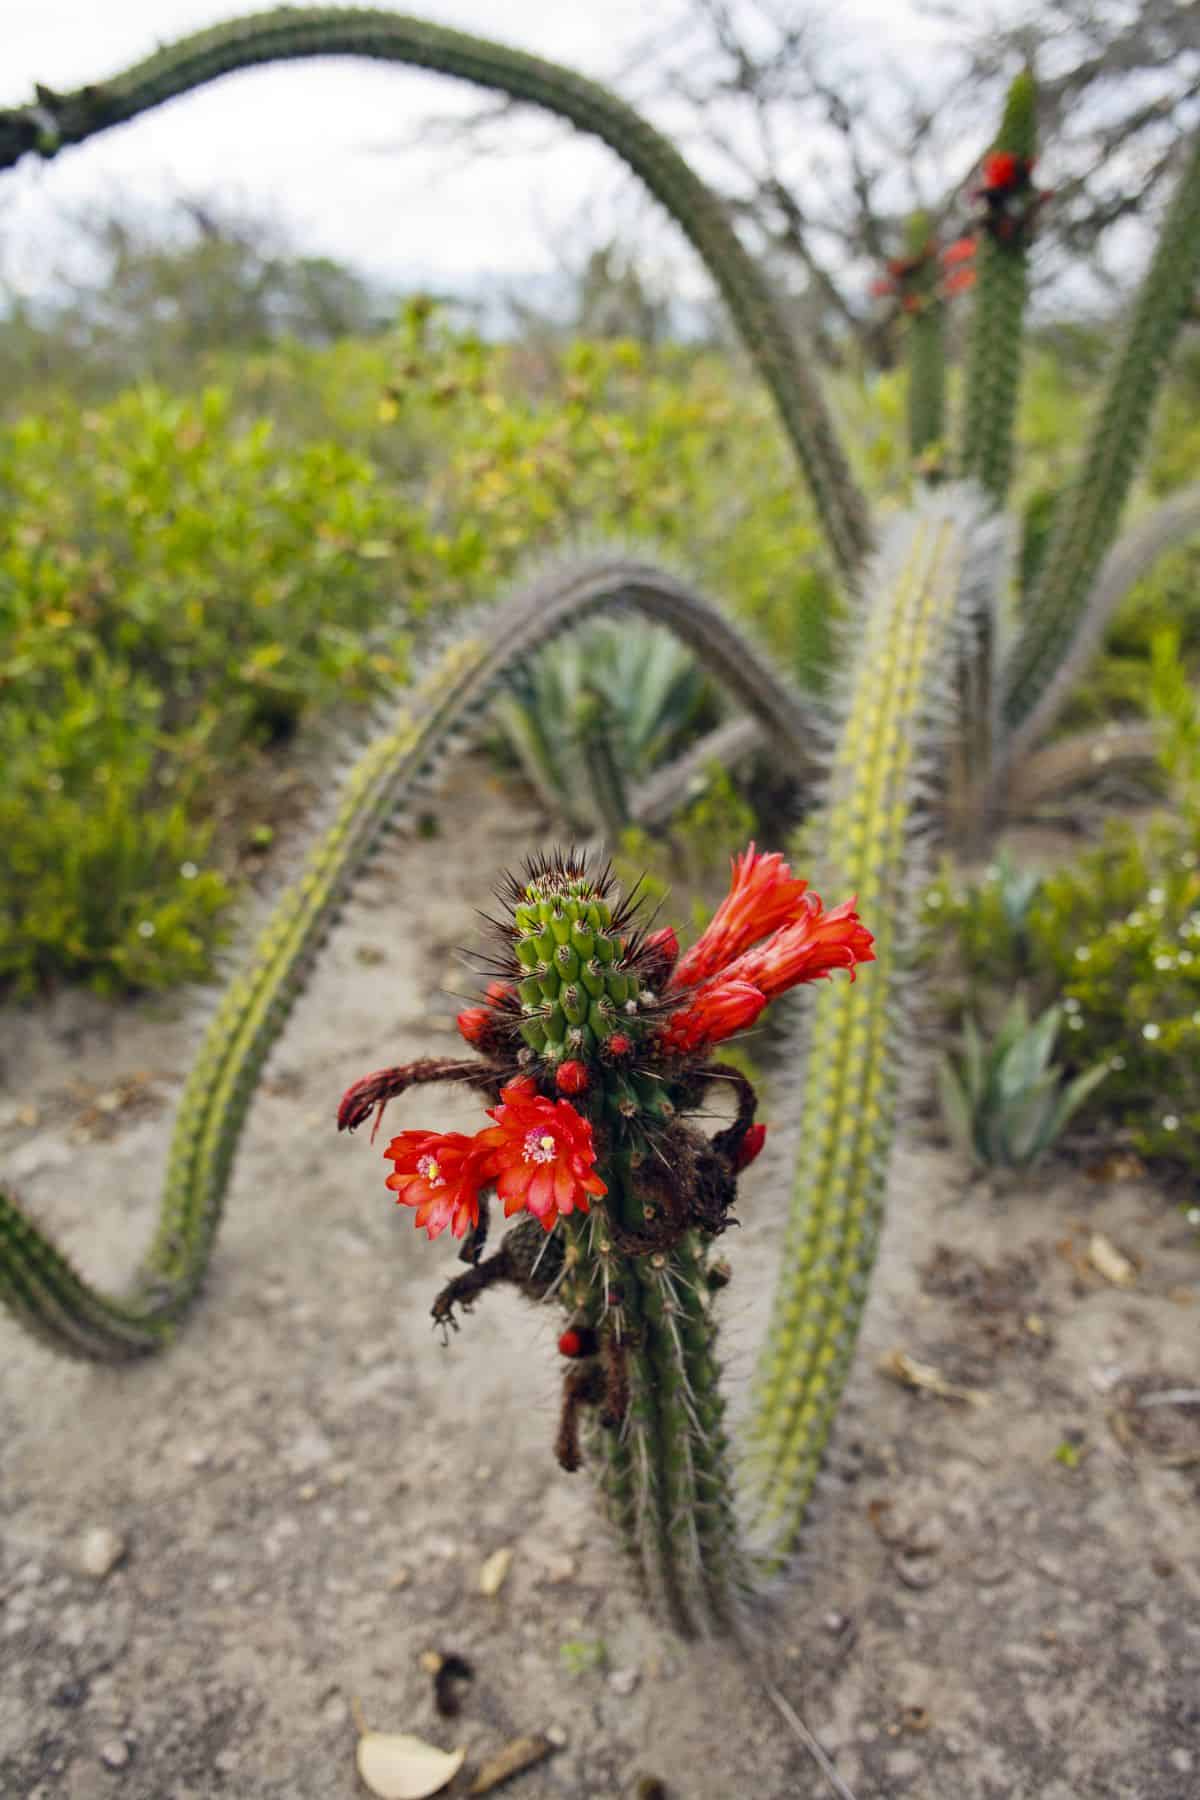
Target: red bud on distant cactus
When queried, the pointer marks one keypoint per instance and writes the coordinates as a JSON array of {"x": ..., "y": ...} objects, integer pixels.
[
  {"x": 1002, "y": 170},
  {"x": 570, "y": 1077}
]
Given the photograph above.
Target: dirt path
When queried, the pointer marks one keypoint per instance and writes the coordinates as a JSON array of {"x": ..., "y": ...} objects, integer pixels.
[{"x": 305, "y": 1487}]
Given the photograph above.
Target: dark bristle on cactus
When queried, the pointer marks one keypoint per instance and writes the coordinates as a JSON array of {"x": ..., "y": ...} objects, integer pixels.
[{"x": 595, "y": 1041}]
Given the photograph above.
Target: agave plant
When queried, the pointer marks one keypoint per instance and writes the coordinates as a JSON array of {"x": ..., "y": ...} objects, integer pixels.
[
  {"x": 931, "y": 629},
  {"x": 595, "y": 714},
  {"x": 1004, "y": 1104}
]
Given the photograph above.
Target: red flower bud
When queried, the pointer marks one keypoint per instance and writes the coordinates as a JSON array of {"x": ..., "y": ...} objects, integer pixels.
[
  {"x": 577, "y": 1340},
  {"x": 1001, "y": 170},
  {"x": 475, "y": 1024},
  {"x": 663, "y": 946},
  {"x": 571, "y": 1078},
  {"x": 498, "y": 993},
  {"x": 750, "y": 1146},
  {"x": 619, "y": 1044}
]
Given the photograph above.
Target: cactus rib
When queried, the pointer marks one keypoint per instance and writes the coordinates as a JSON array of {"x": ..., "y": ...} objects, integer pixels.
[
  {"x": 935, "y": 568},
  {"x": 36, "y": 1281},
  {"x": 290, "y": 33}
]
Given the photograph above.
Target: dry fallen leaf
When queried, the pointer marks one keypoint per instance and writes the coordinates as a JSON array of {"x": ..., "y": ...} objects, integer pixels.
[
  {"x": 494, "y": 1571},
  {"x": 906, "y": 1369},
  {"x": 521, "y": 1753},
  {"x": 396, "y": 1766},
  {"x": 1108, "y": 1261}
]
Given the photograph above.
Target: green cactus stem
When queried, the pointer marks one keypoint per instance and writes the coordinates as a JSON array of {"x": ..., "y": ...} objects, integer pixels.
[
  {"x": 1004, "y": 235},
  {"x": 1088, "y": 516},
  {"x": 289, "y": 33},
  {"x": 936, "y": 572},
  {"x": 925, "y": 308},
  {"x": 36, "y": 1282}
]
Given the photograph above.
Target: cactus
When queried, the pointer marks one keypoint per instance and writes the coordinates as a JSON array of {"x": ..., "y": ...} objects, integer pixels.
[
  {"x": 394, "y": 770},
  {"x": 595, "y": 1041},
  {"x": 594, "y": 1047},
  {"x": 1010, "y": 203}
]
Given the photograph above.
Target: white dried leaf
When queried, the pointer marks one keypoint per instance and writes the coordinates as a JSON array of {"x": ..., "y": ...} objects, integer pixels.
[
  {"x": 1108, "y": 1261},
  {"x": 397, "y": 1766},
  {"x": 494, "y": 1572}
]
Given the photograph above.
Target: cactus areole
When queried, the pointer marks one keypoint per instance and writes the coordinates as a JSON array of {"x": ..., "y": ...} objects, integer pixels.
[{"x": 595, "y": 1041}]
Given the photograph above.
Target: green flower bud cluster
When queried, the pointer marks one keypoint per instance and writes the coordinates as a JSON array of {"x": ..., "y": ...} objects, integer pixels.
[{"x": 578, "y": 989}]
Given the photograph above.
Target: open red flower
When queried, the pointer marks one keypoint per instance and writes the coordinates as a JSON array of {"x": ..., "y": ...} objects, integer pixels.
[
  {"x": 539, "y": 1153},
  {"x": 809, "y": 949},
  {"x": 439, "y": 1174},
  {"x": 763, "y": 895}
]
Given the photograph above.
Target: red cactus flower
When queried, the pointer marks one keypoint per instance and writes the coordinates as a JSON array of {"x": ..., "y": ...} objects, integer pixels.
[
  {"x": 1001, "y": 170},
  {"x": 809, "y": 949},
  {"x": 958, "y": 281},
  {"x": 763, "y": 895},
  {"x": 712, "y": 1013},
  {"x": 960, "y": 251},
  {"x": 571, "y": 1077},
  {"x": 539, "y": 1153},
  {"x": 439, "y": 1174},
  {"x": 750, "y": 1146}
]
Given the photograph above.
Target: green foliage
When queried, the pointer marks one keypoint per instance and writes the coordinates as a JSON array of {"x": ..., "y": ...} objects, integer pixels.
[
  {"x": 102, "y": 877},
  {"x": 1004, "y": 1103},
  {"x": 173, "y": 591}
]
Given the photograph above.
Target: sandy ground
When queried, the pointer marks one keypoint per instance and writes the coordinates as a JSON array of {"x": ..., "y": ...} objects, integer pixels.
[{"x": 997, "y": 1599}]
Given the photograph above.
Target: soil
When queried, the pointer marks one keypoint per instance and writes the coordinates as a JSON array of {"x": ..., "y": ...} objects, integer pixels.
[{"x": 999, "y": 1594}]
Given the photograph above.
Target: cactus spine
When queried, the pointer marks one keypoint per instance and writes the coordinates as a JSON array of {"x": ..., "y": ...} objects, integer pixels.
[{"x": 1001, "y": 261}]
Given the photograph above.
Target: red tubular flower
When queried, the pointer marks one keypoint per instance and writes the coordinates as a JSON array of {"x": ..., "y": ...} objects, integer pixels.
[
  {"x": 540, "y": 1155},
  {"x": 960, "y": 251},
  {"x": 439, "y": 1174},
  {"x": 712, "y": 1013},
  {"x": 763, "y": 895},
  {"x": 809, "y": 949}
]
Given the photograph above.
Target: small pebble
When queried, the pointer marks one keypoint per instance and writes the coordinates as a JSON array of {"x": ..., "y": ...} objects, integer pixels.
[
  {"x": 100, "y": 1550},
  {"x": 916, "y": 1571},
  {"x": 557, "y": 1736},
  {"x": 623, "y": 1681},
  {"x": 115, "y": 1753}
]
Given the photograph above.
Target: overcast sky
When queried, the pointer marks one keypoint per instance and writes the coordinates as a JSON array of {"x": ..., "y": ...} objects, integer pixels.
[{"x": 313, "y": 143}]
